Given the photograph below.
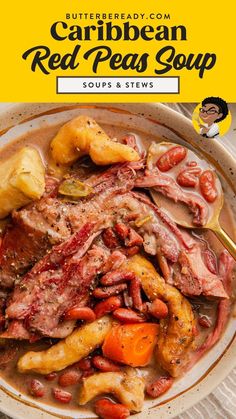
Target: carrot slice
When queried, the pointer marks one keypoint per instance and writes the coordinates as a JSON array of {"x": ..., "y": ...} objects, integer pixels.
[{"x": 131, "y": 344}]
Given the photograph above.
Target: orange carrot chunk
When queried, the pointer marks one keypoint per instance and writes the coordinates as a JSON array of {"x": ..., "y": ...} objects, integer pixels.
[{"x": 131, "y": 344}]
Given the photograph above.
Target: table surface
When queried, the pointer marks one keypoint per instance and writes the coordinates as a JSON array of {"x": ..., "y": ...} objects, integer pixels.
[{"x": 221, "y": 403}]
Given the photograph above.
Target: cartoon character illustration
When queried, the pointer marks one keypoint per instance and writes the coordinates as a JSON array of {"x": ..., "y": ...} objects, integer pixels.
[{"x": 213, "y": 110}]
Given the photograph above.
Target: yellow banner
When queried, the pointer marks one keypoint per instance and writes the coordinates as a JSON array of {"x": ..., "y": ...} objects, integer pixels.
[{"x": 120, "y": 51}]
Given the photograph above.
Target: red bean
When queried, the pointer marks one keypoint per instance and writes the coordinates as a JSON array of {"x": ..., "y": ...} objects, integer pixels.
[
  {"x": 107, "y": 306},
  {"x": 210, "y": 261},
  {"x": 61, "y": 395},
  {"x": 131, "y": 251},
  {"x": 106, "y": 292},
  {"x": 104, "y": 364},
  {"x": 80, "y": 313},
  {"x": 171, "y": 158},
  {"x": 51, "y": 376},
  {"x": 106, "y": 409},
  {"x": 36, "y": 388},
  {"x": 126, "y": 315},
  {"x": 208, "y": 186},
  {"x": 109, "y": 238},
  {"x": 69, "y": 378},
  {"x": 84, "y": 364},
  {"x": 195, "y": 330},
  {"x": 117, "y": 276},
  {"x": 204, "y": 321},
  {"x": 135, "y": 293},
  {"x": 122, "y": 230},
  {"x": 191, "y": 163},
  {"x": 160, "y": 386},
  {"x": 165, "y": 269},
  {"x": 189, "y": 177},
  {"x": 158, "y": 309}
]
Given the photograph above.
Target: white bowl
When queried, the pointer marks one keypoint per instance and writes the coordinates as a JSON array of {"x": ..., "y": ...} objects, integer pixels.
[{"x": 155, "y": 120}]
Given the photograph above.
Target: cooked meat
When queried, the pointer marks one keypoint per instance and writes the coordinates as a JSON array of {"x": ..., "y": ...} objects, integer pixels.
[
  {"x": 51, "y": 220},
  {"x": 16, "y": 330},
  {"x": 21, "y": 247},
  {"x": 7, "y": 354},
  {"x": 185, "y": 253},
  {"x": 69, "y": 289},
  {"x": 156, "y": 235},
  {"x": 61, "y": 280}
]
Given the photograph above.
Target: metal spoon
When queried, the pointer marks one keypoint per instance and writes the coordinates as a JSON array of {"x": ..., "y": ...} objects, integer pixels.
[{"x": 212, "y": 223}]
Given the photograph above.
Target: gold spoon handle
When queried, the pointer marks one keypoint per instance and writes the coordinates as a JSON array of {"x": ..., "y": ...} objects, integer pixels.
[{"x": 228, "y": 243}]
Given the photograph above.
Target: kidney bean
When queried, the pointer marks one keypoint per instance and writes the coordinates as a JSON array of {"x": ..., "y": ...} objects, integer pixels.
[
  {"x": 80, "y": 313},
  {"x": 133, "y": 239},
  {"x": 122, "y": 230},
  {"x": 61, "y": 395},
  {"x": 107, "y": 306},
  {"x": 171, "y": 158},
  {"x": 106, "y": 409},
  {"x": 51, "y": 376},
  {"x": 135, "y": 293},
  {"x": 189, "y": 177},
  {"x": 208, "y": 186},
  {"x": 104, "y": 364},
  {"x": 117, "y": 276},
  {"x": 126, "y": 315},
  {"x": 69, "y": 378},
  {"x": 106, "y": 292},
  {"x": 36, "y": 388},
  {"x": 204, "y": 321},
  {"x": 160, "y": 386},
  {"x": 158, "y": 309},
  {"x": 84, "y": 364},
  {"x": 109, "y": 238}
]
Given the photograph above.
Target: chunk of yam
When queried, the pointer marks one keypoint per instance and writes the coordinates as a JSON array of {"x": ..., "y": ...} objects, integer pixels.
[
  {"x": 82, "y": 136},
  {"x": 126, "y": 386},
  {"x": 21, "y": 180},
  {"x": 76, "y": 346}
]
